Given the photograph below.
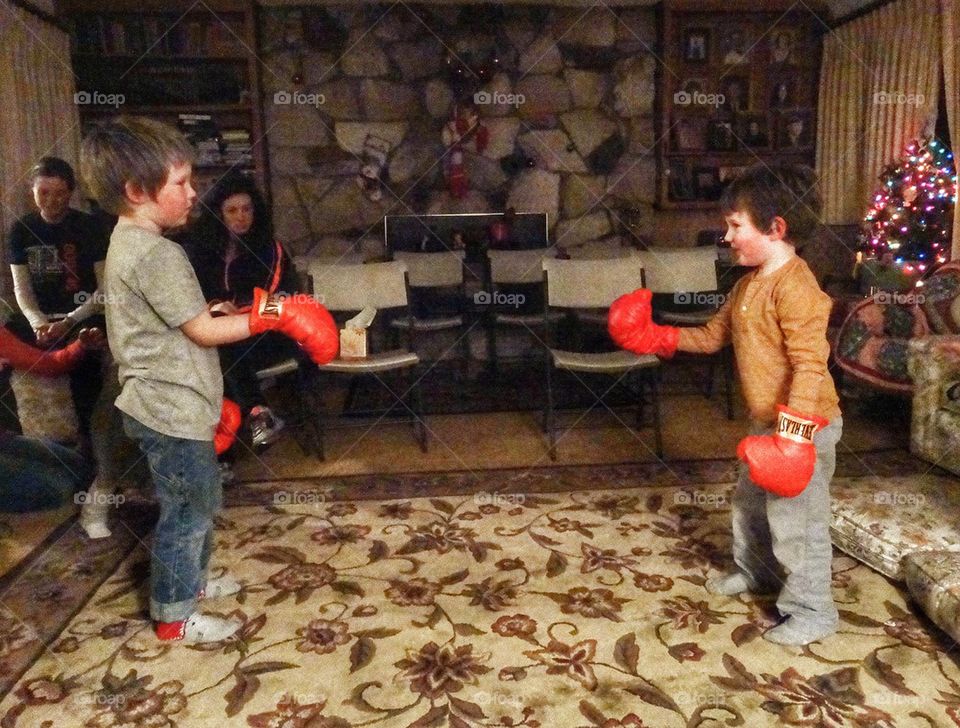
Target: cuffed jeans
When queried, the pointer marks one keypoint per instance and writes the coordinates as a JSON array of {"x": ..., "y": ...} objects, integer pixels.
[
  {"x": 37, "y": 474},
  {"x": 786, "y": 541},
  {"x": 187, "y": 483}
]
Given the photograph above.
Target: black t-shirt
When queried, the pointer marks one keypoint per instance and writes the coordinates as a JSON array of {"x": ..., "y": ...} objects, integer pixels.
[
  {"x": 60, "y": 257},
  {"x": 252, "y": 268}
]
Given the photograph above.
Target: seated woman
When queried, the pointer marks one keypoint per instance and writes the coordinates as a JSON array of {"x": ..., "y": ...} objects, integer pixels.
[
  {"x": 233, "y": 251},
  {"x": 37, "y": 474},
  {"x": 56, "y": 256}
]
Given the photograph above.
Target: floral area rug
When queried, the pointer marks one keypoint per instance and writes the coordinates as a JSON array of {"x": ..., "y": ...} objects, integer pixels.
[
  {"x": 558, "y": 598},
  {"x": 22, "y": 534}
]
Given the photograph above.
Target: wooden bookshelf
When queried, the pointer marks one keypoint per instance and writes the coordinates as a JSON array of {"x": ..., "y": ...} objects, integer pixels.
[
  {"x": 191, "y": 65},
  {"x": 738, "y": 86}
]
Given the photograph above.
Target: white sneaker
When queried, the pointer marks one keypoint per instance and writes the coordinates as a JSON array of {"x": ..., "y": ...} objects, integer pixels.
[
  {"x": 196, "y": 629},
  {"x": 223, "y": 586},
  {"x": 95, "y": 528}
]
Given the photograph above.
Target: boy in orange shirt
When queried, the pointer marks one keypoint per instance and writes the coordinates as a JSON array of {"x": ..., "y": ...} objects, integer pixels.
[{"x": 776, "y": 318}]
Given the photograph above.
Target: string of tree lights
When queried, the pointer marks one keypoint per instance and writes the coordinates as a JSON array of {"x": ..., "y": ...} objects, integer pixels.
[{"x": 911, "y": 218}]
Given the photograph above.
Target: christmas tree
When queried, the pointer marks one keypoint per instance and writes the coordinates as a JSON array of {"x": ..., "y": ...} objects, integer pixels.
[{"x": 912, "y": 213}]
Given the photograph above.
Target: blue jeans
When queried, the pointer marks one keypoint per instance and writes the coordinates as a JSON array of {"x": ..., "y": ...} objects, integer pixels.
[
  {"x": 37, "y": 474},
  {"x": 186, "y": 479}
]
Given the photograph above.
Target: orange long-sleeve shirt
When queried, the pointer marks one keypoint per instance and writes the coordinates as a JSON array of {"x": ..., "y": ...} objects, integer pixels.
[{"x": 778, "y": 326}]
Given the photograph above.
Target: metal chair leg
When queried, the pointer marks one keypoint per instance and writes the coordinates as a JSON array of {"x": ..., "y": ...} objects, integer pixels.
[
  {"x": 419, "y": 425},
  {"x": 351, "y": 394},
  {"x": 311, "y": 405},
  {"x": 655, "y": 390},
  {"x": 549, "y": 414}
]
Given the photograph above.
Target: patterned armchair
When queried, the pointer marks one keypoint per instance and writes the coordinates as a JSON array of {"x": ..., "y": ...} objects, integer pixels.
[
  {"x": 873, "y": 343},
  {"x": 909, "y": 530}
]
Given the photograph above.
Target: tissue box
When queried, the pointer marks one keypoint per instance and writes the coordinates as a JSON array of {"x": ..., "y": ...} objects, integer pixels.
[{"x": 353, "y": 343}]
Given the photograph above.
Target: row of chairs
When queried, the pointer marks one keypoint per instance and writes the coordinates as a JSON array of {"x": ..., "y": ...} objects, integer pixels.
[{"x": 580, "y": 288}]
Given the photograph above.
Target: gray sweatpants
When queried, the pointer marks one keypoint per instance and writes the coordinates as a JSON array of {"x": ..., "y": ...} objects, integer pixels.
[{"x": 786, "y": 541}]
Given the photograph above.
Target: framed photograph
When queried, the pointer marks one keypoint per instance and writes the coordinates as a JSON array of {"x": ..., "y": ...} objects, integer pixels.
[
  {"x": 734, "y": 44},
  {"x": 727, "y": 174},
  {"x": 679, "y": 184},
  {"x": 693, "y": 86},
  {"x": 689, "y": 134},
  {"x": 783, "y": 45},
  {"x": 706, "y": 182},
  {"x": 720, "y": 136},
  {"x": 784, "y": 94},
  {"x": 696, "y": 45},
  {"x": 753, "y": 131},
  {"x": 736, "y": 93},
  {"x": 795, "y": 130}
]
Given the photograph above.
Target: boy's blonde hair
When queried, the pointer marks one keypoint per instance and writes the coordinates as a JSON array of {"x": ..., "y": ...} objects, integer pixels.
[{"x": 130, "y": 149}]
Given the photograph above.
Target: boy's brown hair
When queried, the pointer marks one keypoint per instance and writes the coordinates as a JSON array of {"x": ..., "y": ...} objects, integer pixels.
[
  {"x": 765, "y": 191},
  {"x": 130, "y": 149}
]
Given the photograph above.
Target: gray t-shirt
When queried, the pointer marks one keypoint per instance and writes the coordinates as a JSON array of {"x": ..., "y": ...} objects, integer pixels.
[{"x": 170, "y": 384}]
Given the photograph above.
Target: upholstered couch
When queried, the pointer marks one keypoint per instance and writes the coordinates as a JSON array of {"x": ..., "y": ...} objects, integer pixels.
[{"x": 908, "y": 527}]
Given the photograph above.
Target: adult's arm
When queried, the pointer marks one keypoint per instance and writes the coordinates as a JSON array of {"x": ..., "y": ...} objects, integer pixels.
[
  {"x": 93, "y": 305},
  {"x": 26, "y": 296}
]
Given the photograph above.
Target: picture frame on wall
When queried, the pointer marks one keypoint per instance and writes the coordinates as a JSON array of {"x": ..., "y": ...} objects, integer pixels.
[
  {"x": 795, "y": 130},
  {"x": 784, "y": 93},
  {"x": 694, "y": 86},
  {"x": 689, "y": 134},
  {"x": 734, "y": 44},
  {"x": 696, "y": 45},
  {"x": 721, "y": 136},
  {"x": 753, "y": 131},
  {"x": 783, "y": 44},
  {"x": 727, "y": 174},
  {"x": 706, "y": 183},
  {"x": 679, "y": 183},
  {"x": 736, "y": 93}
]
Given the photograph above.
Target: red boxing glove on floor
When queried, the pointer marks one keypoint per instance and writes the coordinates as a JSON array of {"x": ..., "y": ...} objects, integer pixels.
[
  {"x": 301, "y": 318},
  {"x": 783, "y": 462},
  {"x": 227, "y": 427},
  {"x": 630, "y": 326}
]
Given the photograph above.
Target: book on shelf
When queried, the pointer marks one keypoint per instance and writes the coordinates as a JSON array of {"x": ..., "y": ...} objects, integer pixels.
[
  {"x": 202, "y": 132},
  {"x": 114, "y": 37},
  {"x": 224, "y": 37},
  {"x": 88, "y": 35},
  {"x": 237, "y": 149}
]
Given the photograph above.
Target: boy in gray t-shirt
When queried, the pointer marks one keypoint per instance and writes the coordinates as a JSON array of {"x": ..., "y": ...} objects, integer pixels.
[{"x": 163, "y": 339}]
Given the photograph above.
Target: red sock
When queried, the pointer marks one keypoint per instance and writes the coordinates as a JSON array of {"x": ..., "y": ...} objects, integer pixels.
[{"x": 171, "y": 630}]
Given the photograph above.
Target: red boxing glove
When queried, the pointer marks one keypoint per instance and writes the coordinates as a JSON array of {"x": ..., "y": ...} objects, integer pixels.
[
  {"x": 38, "y": 361},
  {"x": 783, "y": 462},
  {"x": 630, "y": 326},
  {"x": 301, "y": 318},
  {"x": 227, "y": 426}
]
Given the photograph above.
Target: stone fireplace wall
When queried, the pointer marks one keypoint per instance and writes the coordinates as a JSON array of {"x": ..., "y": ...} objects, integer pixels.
[{"x": 566, "y": 94}]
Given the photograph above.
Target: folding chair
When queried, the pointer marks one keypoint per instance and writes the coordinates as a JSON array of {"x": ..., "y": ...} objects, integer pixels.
[
  {"x": 507, "y": 268},
  {"x": 592, "y": 284},
  {"x": 439, "y": 279},
  {"x": 350, "y": 288},
  {"x": 687, "y": 278}
]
